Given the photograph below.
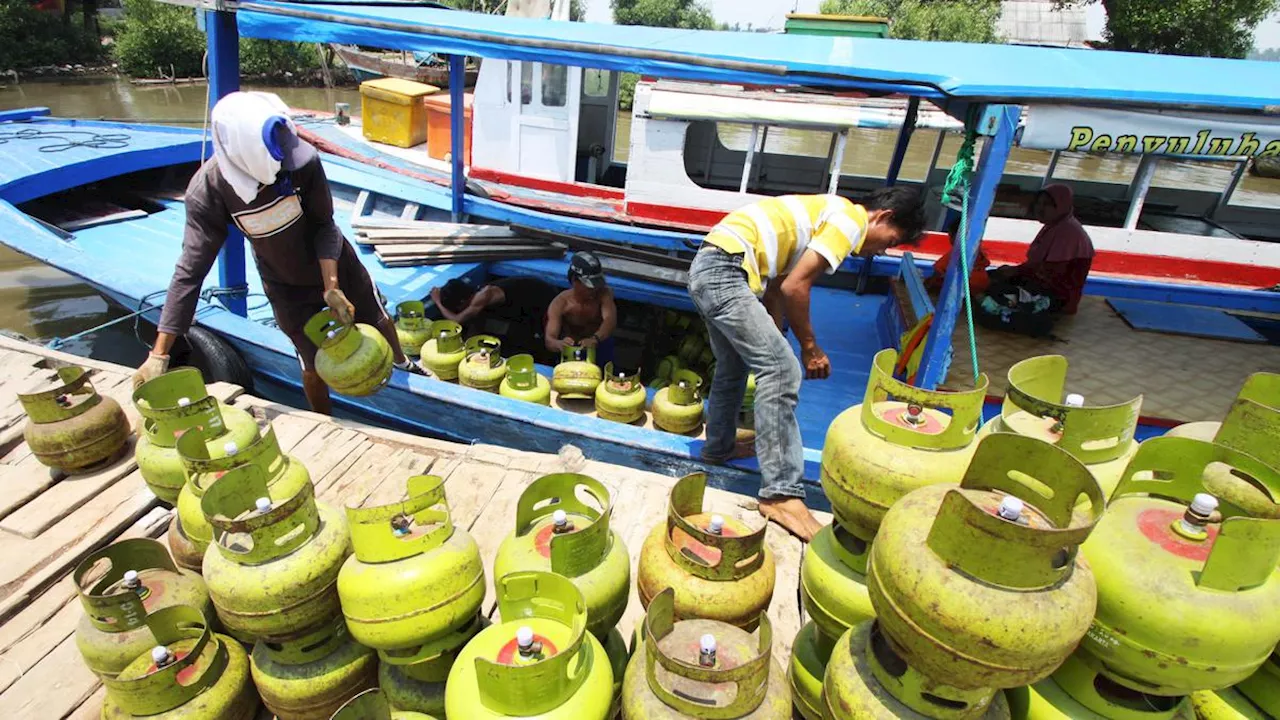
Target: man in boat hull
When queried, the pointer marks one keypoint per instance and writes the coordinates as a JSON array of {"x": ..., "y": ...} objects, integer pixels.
[
  {"x": 754, "y": 271},
  {"x": 271, "y": 185},
  {"x": 585, "y": 315},
  {"x": 519, "y": 304}
]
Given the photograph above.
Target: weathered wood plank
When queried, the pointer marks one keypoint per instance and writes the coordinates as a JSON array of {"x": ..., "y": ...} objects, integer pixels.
[
  {"x": 92, "y": 708},
  {"x": 40, "y": 639},
  {"x": 422, "y": 228},
  {"x": 344, "y": 464},
  {"x": 496, "y": 521},
  {"x": 63, "y": 496},
  {"x": 55, "y": 687},
  {"x": 470, "y": 486}
]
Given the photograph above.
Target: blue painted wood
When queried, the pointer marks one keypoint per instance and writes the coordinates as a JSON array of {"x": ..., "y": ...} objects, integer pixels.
[
  {"x": 1185, "y": 294},
  {"x": 23, "y": 114},
  {"x": 995, "y": 151},
  {"x": 457, "y": 138},
  {"x": 904, "y": 141},
  {"x": 224, "y": 78},
  {"x": 1184, "y": 320}
]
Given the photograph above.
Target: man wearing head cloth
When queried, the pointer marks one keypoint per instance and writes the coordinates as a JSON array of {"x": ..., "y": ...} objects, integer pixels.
[{"x": 270, "y": 184}]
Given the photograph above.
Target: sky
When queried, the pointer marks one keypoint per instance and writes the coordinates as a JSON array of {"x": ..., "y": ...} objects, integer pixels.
[{"x": 772, "y": 13}]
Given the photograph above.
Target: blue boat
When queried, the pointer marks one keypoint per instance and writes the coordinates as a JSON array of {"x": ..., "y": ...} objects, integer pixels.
[{"x": 102, "y": 201}]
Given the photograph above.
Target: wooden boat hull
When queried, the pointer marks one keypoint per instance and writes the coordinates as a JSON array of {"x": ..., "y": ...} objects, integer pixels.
[{"x": 370, "y": 66}]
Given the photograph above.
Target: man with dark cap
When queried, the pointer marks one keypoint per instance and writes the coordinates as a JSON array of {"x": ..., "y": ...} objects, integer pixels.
[
  {"x": 585, "y": 314},
  {"x": 270, "y": 183}
]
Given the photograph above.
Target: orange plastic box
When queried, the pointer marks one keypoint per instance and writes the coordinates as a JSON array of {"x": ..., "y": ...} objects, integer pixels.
[{"x": 439, "y": 135}]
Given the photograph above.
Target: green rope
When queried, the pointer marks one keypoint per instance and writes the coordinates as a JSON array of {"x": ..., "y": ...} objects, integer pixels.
[{"x": 959, "y": 182}]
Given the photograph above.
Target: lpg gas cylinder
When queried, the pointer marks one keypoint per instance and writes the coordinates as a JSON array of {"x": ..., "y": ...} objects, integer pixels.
[
  {"x": 620, "y": 396},
  {"x": 354, "y": 359},
  {"x": 412, "y": 327},
  {"x": 810, "y": 654},
  {"x": 524, "y": 382},
  {"x": 415, "y": 580},
  {"x": 962, "y": 579},
  {"x": 1263, "y": 687},
  {"x": 1077, "y": 692},
  {"x": 172, "y": 404},
  {"x": 668, "y": 366},
  {"x": 483, "y": 367},
  {"x": 577, "y": 375},
  {"x": 539, "y": 661},
  {"x": 833, "y": 583},
  {"x": 703, "y": 669},
  {"x": 719, "y": 568},
  {"x": 414, "y": 682},
  {"x": 557, "y": 530},
  {"x": 690, "y": 349},
  {"x": 444, "y": 350},
  {"x": 1036, "y": 404},
  {"x": 677, "y": 407},
  {"x": 374, "y": 705},
  {"x": 900, "y": 438},
  {"x": 867, "y": 680},
  {"x": 188, "y": 673},
  {"x": 1226, "y": 704},
  {"x": 70, "y": 427},
  {"x": 139, "y": 579},
  {"x": 272, "y": 568},
  {"x": 312, "y": 675},
  {"x": 190, "y": 535},
  {"x": 1187, "y": 586}
]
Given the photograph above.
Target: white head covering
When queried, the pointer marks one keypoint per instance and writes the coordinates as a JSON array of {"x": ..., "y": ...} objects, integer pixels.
[{"x": 238, "y": 120}]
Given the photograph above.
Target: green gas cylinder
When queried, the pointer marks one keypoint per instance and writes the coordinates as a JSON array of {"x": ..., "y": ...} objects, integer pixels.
[
  {"x": 188, "y": 673},
  {"x": 415, "y": 581},
  {"x": 412, "y": 327},
  {"x": 981, "y": 586},
  {"x": 620, "y": 396},
  {"x": 677, "y": 407},
  {"x": 1187, "y": 585},
  {"x": 539, "y": 661},
  {"x": 170, "y": 405},
  {"x": 190, "y": 535},
  {"x": 866, "y": 680},
  {"x": 900, "y": 438},
  {"x": 444, "y": 350},
  {"x": 690, "y": 349},
  {"x": 833, "y": 582},
  {"x": 272, "y": 567},
  {"x": 310, "y": 676},
  {"x": 703, "y": 669},
  {"x": 139, "y": 579},
  {"x": 416, "y": 683},
  {"x": 668, "y": 366},
  {"x": 810, "y": 654},
  {"x": 1263, "y": 687},
  {"x": 1226, "y": 704},
  {"x": 1077, "y": 692},
  {"x": 719, "y": 568},
  {"x": 577, "y": 375},
  {"x": 70, "y": 427},
  {"x": 354, "y": 360},
  {"x": 374, "y": 705},
  {"x": 523, "y": 382},
  {"x": 557, "y": 531},
  {"x": 483, "y": 367},
  {"x": 1036, "y": 404}
]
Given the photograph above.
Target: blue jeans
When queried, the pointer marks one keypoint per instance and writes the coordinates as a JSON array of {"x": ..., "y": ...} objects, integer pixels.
[{"x": 745, "y": 339}]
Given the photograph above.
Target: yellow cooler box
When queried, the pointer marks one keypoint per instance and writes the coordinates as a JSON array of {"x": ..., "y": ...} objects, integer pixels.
[{"x": 394, "y": 111}]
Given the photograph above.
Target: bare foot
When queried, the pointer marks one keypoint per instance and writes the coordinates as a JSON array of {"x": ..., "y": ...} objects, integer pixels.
[{"x": 792, "y": 515}]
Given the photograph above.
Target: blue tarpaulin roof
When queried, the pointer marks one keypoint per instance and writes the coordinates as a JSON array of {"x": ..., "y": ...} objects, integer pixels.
[{"x": 981, "y": 72}]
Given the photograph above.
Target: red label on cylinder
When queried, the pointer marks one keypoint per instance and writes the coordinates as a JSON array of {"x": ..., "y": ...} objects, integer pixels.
[
  {"x": 508, "y": 655},
  {"x": 1157, "y": 525}
]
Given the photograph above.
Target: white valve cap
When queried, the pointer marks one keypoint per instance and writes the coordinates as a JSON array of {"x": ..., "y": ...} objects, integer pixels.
[
  {"x": 1204, "y": 504},
  {"x": 708, "y": 644},
  {"x": 1011, "y": 508},
  {"x": 262, "y": 504},
  {"x": 131, "y": 578},
  {"x": 331, "y": 334},
  {"x": 524, "y": 636},
  {"x": 230, "y": 448},
  {"x": 1075, "y": 400},
  {"x": 559, "y": 518},
  {"x": 159, "y": 654},
  {"x": 183, "y": 402},
  {"x": 717, "y": 524}
]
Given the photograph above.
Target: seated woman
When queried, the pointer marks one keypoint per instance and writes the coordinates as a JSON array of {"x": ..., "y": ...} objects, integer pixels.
[
  {"x": 1059, "y": 258},
  {"x": 978, "y": 280}
]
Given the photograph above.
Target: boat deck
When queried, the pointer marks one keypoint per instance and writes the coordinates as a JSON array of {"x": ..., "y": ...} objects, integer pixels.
[{"x": 48, "y": 526}]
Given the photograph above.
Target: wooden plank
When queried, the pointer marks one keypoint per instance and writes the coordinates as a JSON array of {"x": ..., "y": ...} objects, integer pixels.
[
  {"x": 92, "y": 708},
  {"x": 40, "y": 640},
  {"x": 65, "y": 495},
  {"x": 324, "y": 448},
  {"x": 27, "y": 348},
  {"x": 425, "y": 250},
  {"x": 344, "y": 464},
  {"x": 470, "y": 486},
  {"x": 55, "y": 687},
  {"x": 394, "y": 236},
  {"x": 496, "y": 521},
  {"x": 352, "y": 487},
  {"x": 424, "y": 228},
  {"x": 391, "y": 486}
]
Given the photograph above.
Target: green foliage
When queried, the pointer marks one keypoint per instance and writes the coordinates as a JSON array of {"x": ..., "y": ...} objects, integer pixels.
[
  {"x": 971, "y": 21},
  {"x": 156, "y": 37},
  {"x": 1215, "y": 28},
  {"x": 627, "y": 89},
  {"x": 688, "y": 14},
  {"x": 1271, "y": 54},
  {"x": 273, "y": 57},
  {"x": 33, "y": 38}
]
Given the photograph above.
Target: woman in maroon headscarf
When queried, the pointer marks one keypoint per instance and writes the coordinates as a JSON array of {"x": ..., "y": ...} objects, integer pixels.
[{"x": 1058, "y": 260}]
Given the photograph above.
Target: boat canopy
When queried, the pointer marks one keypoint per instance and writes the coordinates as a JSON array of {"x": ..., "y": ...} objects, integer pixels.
[{"x": 986, "y": 73}]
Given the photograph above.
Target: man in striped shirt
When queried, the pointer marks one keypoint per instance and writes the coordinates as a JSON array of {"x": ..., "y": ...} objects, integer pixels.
[{"x": 755, "y": 270}]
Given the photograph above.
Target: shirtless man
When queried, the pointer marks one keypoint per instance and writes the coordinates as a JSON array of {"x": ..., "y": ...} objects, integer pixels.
[{"x": 585, "y": 314}]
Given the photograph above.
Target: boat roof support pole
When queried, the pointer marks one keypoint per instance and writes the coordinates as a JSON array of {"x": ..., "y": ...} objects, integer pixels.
[
  {"x": 1225, "y": 198},
  {"x": 1048, "y": 172},
  {"x": 457, "y": 136},
  {"x": 751, "y": 156},
  {"x": 1138, "y": 190},
  {"x": 223, "y": 38},
  {"x": 982, "y": 194},
  {"x": 837, "y": 161},
  {"x": 904, "y": 142},
  {"x": 937, "y": 153}
]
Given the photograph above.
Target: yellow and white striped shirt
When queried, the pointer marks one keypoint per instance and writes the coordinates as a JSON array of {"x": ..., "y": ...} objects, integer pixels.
[{"x": 773, "y": 233}]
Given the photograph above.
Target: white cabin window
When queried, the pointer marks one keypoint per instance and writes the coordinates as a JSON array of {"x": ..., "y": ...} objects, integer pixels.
[
  {"x": 526, "y": 83},
  {"x": 555, "y": 85},
  {"x": 595, "y": 82}
]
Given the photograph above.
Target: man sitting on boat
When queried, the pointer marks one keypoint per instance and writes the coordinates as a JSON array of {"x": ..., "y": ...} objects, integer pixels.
[
  {"x": 270, "y": 183},
  {"x": 584, "y": 315},
  {"x": 773, "y": 251},
  {"x": 517, "y": 304}
]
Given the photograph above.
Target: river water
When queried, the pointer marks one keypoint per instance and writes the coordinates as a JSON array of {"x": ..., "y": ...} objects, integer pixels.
[{"x": 44, "y": 303}]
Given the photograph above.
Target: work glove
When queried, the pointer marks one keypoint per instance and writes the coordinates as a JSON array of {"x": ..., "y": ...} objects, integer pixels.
[
  {"x": 153, "y": 367},
  {"x": 340, "y": 305}
]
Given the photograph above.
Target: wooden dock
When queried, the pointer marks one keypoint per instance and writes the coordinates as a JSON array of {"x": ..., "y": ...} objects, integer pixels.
[{"x": 47, "y": 524}]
